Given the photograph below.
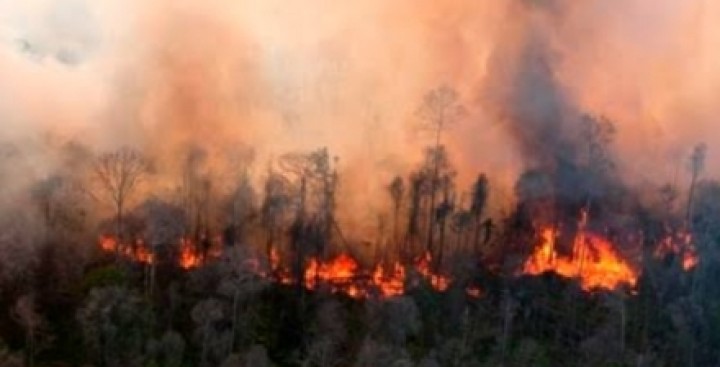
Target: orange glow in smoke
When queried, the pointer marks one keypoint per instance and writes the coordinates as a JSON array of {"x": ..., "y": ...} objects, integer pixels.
[
  {"x": 437, "y": 281},
  {"x": 189, "y": 257},
  {"x": 680, "y": 245},
  {"x": 108, "y": 243}
]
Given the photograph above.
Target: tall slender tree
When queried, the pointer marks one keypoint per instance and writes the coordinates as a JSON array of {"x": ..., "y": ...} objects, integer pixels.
[
  {"x": 477, "y": 206},
  {"x": 697, "y": 164},
  {"x": 439, "y": 110},
  {"x": 397, "y": 191}
]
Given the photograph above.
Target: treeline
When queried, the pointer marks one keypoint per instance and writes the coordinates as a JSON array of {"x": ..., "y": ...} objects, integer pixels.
[{"x": 65, "y": 302}]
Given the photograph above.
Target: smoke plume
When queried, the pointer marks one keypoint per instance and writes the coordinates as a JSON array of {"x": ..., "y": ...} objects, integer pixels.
[{"x": 250, "y": 80}]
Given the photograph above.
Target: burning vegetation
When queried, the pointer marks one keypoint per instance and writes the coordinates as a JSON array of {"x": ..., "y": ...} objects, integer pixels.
[
  {"x": 227, "y": 261},
  {"x": 203, "y": 245}
]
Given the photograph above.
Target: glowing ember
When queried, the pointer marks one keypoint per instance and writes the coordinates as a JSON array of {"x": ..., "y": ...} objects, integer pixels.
[
  {"x": 594, "y": 262},
  {"x": 680, "y": 245},
  {"x": 437, "y": 281},
  {"x": 189, "y": 257},
  {"x": 339, "y": 271},
  {"x": 341, "y": 274},
  {"x": 274, "y": 259},
  {"x": 108, "y": 243},
  {"x": 142, "y": 253},
  {"x": 138, "y": 252},
  {"x": 390, "y": 284},
  {"x": 473, "y": 292}
]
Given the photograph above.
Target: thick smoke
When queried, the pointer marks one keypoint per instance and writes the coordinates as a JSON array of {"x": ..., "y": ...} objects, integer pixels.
[{"x": 250, "y": 79}]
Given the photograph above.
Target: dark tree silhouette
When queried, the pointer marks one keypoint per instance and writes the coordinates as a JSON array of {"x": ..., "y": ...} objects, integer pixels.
[
  {"x": 480, "y": 192},
  {"x": 439, "y": 110},
  {"x": 397, "y": 192}
]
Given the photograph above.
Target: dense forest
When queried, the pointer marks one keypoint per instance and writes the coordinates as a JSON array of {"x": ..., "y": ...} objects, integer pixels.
[
  {"x": 468, "y": 183},
  {"x": 101, "y": 268}
]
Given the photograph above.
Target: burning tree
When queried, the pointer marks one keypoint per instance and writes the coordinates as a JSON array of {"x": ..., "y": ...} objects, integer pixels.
[
  {"x": 119, "y": 173},
  {"x": 196, "y": 193},
  {"x": 276, "y": 201},
  {"x": 315, "y": 184},
  {"x": 396, "y": 189}
]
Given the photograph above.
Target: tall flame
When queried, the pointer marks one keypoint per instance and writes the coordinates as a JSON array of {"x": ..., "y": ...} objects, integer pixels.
[{"x": 594, "y": 261}]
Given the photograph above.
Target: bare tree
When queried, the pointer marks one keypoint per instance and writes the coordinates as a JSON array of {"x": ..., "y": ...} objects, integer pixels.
[
  {"x": 440, "y": 109},
  {"x": 119, "y": 173}
]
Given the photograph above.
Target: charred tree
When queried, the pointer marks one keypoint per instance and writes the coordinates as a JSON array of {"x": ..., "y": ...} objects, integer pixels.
[
  {"x": 275, "y": 203},
  {"x": 417, "y": 181},
  {"x": 443, "y": 212},
  {"x": 477, "y": 208},
  {"x": 396, "y": 190}
]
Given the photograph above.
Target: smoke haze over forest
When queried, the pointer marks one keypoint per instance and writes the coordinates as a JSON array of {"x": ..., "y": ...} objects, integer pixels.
[
  {"x": 359, "y": 183},
  {"x": 277, "y": 77}
]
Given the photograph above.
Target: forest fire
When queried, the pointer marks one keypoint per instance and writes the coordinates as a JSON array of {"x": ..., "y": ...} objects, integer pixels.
[
  {"x": 137, "y": 251},
  {"x": 681, "y": 246},
  {"x": 189, "y": 258},
  {"x": 594, "y": 261},
  {"x": 359, "y": 183},
  {"x": 340, "y": 274},
  {"x": 343, "y": 274}
]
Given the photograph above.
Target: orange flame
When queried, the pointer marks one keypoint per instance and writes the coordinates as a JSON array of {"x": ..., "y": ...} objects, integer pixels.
[
  {"x": 108, "y": 243},
  {"x": 473, "y": 292},
  {"x": 594, "y": 262},
  {"x": 138, "y": 252},
  {"x": 142, "y": 253},
  {"x": 680, "y": 245},
  {"x": 437, "y": 281},
  {"x": 341, "y": 274},
  {"x": 339, "y": 271},
  {"x": 390, "y": 284},
  {"x": 189, "y": 257}
]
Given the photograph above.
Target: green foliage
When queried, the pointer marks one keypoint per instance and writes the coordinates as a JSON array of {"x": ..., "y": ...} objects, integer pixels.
[{"x": 106, "y": 276}]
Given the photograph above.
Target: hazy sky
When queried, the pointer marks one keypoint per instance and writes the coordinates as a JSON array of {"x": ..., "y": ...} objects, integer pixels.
[{"x": 281, "y": 76}]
